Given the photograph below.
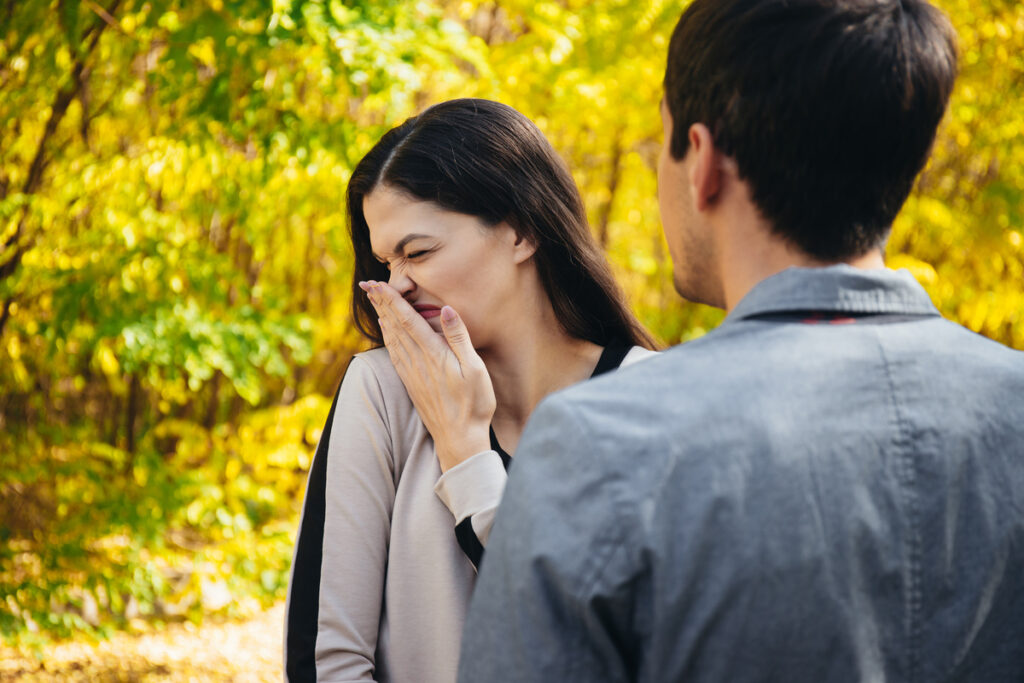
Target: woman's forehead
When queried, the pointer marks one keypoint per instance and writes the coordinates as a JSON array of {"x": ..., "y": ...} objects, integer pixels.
[
  {"x": 390, "y": 215},
  {"x": 394, "y": 219}
]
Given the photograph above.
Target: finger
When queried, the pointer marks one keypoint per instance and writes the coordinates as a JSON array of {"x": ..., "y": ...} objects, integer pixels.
[
  {"x": 394, "y": 306},
  {"x": 390, "y": 302},
  {"x": 393, "y": 343},
  {"x": 401, "y": 339},
  {"x": 371, "y": 287},
  {"x": 387, "y": 296},
  {"x": 380, "y": 299},
  {"x": 457, "y": 335},
  {"x": 407, "y": 323}
]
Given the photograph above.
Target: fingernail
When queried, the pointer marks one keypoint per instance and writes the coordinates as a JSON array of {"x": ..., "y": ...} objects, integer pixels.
[
  {"x": 365, "y": 286},
  {"x": 448, "y": 314}
]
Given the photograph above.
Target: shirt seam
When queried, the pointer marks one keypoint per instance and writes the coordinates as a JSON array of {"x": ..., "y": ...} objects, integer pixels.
[{"x": 909, "y": 476}]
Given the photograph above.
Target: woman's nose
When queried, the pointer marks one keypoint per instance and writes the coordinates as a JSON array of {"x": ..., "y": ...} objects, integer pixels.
[{"x": 401, "y": 281}]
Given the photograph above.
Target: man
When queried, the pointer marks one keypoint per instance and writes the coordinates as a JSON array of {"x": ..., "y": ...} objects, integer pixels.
[{"x": 828, "y": 487}]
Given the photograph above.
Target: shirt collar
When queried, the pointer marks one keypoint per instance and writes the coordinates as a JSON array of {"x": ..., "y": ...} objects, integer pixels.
[{"x": 840, "y": 288}]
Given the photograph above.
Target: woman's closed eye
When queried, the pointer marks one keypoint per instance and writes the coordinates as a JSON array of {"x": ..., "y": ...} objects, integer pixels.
[{"x": 411, "y": 256}]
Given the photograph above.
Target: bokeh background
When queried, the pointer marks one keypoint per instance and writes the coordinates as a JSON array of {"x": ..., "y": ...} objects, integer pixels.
[{"x": 174, "y": 266}]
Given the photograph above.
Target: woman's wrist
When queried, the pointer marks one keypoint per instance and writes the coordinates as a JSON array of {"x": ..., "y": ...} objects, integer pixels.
[{"x": 458, "y": 448}]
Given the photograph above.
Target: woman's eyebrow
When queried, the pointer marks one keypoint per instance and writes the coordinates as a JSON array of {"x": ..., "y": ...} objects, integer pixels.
[{"x": 401, "y": 243}]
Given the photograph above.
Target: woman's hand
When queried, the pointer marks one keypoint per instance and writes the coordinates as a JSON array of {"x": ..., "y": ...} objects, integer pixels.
[{"x": 448, "y": 382}]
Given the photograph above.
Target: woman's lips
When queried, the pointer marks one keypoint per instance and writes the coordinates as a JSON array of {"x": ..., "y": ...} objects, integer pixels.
[{"x": 428, "y": 311}]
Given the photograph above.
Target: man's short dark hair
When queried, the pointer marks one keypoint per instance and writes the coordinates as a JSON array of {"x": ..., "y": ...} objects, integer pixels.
[{"x": 829, "y": 107}]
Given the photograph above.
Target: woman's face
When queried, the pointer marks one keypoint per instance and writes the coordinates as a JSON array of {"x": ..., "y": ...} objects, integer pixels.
[{"x": 438, "y": 257}]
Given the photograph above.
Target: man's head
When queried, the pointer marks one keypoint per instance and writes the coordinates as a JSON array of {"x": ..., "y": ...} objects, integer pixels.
[{"x": 827, "y": 107}]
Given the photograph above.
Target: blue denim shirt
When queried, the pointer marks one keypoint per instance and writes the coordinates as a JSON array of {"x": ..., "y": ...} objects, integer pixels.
[{"x": 828, "y": 487}]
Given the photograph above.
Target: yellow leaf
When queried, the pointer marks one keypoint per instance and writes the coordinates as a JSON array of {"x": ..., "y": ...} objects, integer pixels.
[
  {"x": 202, "y": 51},
  {"x": 108, "y": 361},
  {"x": 922, "y": 272}
]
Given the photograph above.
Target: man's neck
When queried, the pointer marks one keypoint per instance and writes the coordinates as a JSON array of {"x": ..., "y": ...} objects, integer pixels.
[{"x": 751, "y": 253}]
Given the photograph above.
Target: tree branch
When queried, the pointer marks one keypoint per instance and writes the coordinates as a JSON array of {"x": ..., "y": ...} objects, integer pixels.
[
  {"x": 8, "y": 268},
  {"x": 613, "y": 186},
  {"x": 5, "y": 315},
  {"x": 57, "y": 112}
]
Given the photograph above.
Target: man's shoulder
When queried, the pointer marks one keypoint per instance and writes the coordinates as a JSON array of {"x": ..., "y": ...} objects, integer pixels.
[
  {"x": 639, "y": 406},
  {"x": 981, "y": 349},
  {"x": 648, "y": 378},
  {"x": 755, "y": 374}
]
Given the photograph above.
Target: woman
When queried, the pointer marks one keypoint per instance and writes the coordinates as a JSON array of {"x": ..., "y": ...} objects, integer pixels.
[{"x": 464, "y": 222}]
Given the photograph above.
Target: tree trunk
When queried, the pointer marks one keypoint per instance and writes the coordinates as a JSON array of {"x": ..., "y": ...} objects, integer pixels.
[
  {"x": 5, "y": 314},
  {"x": 131, "y": 412},
  {"x": 613, "y": 186},
  {"x": 211, "y": 409}
]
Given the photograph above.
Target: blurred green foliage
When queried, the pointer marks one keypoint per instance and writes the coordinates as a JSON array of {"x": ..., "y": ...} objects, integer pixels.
[{"x": 174, "y": 269}]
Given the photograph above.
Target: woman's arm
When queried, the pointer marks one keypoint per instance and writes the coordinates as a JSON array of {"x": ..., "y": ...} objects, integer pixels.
[{"x": 336, "y": 591}]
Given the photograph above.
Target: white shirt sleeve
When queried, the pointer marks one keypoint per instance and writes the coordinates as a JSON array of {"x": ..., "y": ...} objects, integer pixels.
[{"x": 473, "y": 489}]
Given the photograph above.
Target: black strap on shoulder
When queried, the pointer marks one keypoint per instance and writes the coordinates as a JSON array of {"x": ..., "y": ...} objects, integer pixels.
[
  {"x": 506, "y": 459},
  {"x": 611, "y": 358}
]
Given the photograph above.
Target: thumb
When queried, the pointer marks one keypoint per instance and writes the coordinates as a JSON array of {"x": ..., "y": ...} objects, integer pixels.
[{"x": 457, "y": 335}]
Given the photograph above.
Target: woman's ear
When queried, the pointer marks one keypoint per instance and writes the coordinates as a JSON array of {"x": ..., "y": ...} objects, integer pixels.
[{"x": 524, "y": 248}]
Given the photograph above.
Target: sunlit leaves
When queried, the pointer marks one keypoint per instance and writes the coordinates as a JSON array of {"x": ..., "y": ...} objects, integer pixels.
[
  {"x": 178, "y": 309},
  {"x": 966, "y": 219},
  {"x": 183, "y": 232}
]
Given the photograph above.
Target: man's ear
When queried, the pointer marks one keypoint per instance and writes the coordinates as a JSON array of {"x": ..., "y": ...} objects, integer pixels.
[{"x": 705, "y": 175}]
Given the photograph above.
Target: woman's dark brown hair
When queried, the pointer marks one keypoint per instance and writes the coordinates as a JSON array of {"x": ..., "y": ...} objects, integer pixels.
[{"x": 487, "y": 160}]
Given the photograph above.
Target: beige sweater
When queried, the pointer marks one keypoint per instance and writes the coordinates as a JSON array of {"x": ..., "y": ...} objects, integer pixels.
[{"x": 394, "y": 584}]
